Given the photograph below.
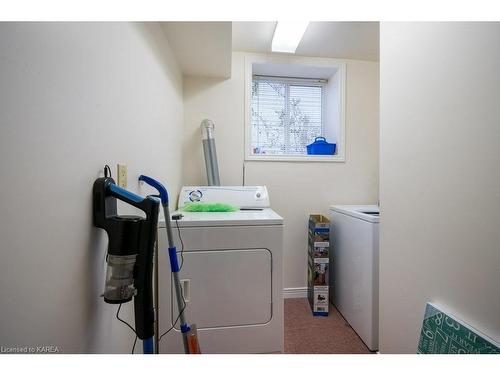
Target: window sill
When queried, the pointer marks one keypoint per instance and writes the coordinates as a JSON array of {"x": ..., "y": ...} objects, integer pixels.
[{"x": 305, "y": 158}]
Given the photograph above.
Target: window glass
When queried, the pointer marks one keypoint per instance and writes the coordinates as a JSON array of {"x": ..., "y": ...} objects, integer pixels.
[{"x": 287, "y": 115}]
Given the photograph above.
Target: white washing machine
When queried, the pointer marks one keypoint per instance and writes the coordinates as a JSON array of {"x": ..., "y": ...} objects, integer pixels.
[
  {"x": 231, "y": 274},
  {"x": 354, "y": 272}
]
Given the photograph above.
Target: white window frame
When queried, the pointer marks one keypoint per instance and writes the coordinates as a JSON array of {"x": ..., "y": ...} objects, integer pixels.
[{"x": 307, "y": 63}]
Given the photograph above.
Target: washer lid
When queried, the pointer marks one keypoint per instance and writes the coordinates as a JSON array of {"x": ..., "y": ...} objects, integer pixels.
[
  {"x": 265, "y": 216},
  {"x": 370, "y": 212}
]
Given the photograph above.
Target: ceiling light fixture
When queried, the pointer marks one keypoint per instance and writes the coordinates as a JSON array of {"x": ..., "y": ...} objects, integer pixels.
[{"x": 287, "y": 35}]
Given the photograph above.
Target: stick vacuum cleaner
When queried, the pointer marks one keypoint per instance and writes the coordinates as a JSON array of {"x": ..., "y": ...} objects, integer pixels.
[
  {"x": 130, "y": 252},
  {"x": 130, "y": 257},
  {"x": 189, "y": 333}
]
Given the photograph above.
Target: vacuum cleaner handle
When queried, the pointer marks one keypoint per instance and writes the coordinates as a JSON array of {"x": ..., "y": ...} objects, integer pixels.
[
  {"x": 158, "y": 186},
  {"x": 124, "y": 195}
]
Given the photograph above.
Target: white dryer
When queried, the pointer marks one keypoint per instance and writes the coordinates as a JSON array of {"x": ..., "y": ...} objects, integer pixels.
[
  {"x": 354, "y": 271},
  {"x": 231, "y": 273}
]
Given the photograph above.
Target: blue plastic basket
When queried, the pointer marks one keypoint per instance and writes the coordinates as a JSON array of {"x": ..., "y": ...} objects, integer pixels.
[{"x": 321, "y": 147}]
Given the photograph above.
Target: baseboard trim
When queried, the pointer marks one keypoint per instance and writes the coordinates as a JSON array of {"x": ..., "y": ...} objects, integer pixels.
[{"x": 295, "y": 292}]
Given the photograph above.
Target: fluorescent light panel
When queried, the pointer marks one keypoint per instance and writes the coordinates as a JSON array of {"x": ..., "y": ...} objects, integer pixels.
[{"x": 288, "y": 35}]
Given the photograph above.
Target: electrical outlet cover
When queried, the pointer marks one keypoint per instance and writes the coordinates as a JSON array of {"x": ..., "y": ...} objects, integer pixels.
[{"x": 122, "y": 175}]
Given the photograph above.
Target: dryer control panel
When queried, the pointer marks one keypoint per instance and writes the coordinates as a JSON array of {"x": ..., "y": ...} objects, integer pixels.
[{"x": 239, "y": 196}]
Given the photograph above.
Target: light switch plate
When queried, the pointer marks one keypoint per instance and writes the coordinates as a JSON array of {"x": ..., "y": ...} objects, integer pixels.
[{"x": 121, "y": 170}]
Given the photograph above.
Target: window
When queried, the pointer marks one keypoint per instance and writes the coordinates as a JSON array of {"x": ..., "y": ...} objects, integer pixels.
[
  {"x": 287, "y": 114},
  {"x": 289, "y": 101}
]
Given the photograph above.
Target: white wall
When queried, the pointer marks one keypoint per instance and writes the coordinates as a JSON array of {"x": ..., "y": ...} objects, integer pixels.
[
  {"x": 332, "y": 113},
  {"x": 72, "y": 98},
  {"x": 439, "y": 177},
  {"x": 296, "y": 189}
]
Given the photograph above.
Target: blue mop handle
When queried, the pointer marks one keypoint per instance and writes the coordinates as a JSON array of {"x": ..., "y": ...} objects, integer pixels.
[
  {"x": 147, "y": 346},
  {"x": 172, "y": 254},
  {"x": 158, "y": 186}
]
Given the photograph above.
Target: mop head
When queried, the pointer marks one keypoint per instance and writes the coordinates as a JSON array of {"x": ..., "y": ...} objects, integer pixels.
[{"x": 209, "y": 207}]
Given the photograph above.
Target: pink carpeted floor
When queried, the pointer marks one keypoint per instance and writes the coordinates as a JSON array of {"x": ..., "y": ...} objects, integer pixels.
[{"x": 308, "y": 334}]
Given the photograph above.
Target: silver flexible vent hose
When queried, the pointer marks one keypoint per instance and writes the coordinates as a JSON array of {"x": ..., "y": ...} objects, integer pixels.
[{"x": 208, "y": 139}]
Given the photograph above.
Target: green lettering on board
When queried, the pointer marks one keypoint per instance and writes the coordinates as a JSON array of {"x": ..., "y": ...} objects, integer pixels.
[{"x": 443, "y": 334}]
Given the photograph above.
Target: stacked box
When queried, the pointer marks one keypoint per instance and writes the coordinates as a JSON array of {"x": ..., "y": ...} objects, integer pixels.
[{"x": 318, "y": 263}]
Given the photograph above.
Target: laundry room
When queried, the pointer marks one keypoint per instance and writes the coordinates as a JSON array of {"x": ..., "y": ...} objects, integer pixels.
[{"x": 227, "y": 185}]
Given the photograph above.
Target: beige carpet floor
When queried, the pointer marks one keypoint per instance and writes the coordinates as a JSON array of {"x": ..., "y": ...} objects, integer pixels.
[{"x": 308, "y": 334}]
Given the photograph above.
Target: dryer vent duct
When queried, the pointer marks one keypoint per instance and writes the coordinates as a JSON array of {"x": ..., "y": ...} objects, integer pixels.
[{"x": 208, "y": 139}]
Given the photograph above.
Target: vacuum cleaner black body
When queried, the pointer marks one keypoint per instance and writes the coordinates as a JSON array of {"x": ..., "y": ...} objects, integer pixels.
[{"x": 131, "y": 241}]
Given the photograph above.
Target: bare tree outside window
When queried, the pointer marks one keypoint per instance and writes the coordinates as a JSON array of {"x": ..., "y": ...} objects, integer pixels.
[{"x": 286, "y": 116}]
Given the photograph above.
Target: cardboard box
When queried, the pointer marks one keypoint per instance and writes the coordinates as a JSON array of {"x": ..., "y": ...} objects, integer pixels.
[
  {"x": 318, "y": 299},
  {"x": 320, "y": 252},
  {"x": 318, "y": 249},
  {"x": 318, "y": 222},
  {"x": 319, "y": 235},
  {"x": 318, "y": 264},
  {"x": 319, "y": 271}
]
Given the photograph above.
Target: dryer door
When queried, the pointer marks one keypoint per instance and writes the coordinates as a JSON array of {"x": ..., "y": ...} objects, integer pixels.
[{"x": 226, "y": 288}]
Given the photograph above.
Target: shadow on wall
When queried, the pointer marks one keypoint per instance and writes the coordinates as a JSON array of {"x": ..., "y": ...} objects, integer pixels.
[
  {"x": 96, "y": 268},
  {"x": 97, "y": 246},
  {"x": 153, "y": 35}
]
